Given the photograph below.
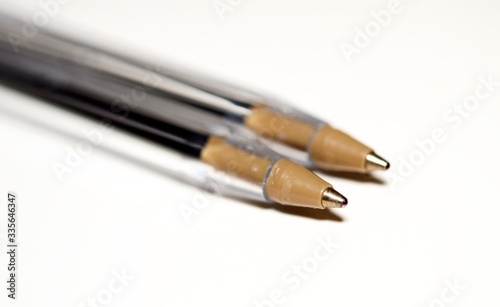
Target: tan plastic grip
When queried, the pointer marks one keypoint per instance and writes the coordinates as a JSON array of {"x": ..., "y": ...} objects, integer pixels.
[
  {"x": 288, "y": 183},
  {"x": 225, "y": 157},
  {"x": 272, "y": 125},
  {"x": 334, "y": 150},
  {"x": 292, "y": 184}
]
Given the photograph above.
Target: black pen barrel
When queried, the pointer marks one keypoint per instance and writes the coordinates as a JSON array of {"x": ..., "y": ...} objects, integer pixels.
[{"x": 71, "y": 86}]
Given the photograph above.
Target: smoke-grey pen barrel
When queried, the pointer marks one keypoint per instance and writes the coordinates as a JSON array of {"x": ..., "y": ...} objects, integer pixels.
[{"x": 86, "y": 93}]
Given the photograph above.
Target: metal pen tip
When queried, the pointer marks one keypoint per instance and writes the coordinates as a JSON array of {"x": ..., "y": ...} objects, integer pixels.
[
  {"x": 333, "y": 199},
  {"x": 376, "y": 163}
]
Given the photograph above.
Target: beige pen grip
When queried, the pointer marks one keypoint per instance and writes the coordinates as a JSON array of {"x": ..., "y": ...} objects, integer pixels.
[
  {"x": 328, "y": 148},
  {"x": 332, "y": 149},
  {"x": 287, "y": 183},
  {"x": 292, "y": 184},
  {"x": 225, "y": 157},
  {"x": 272, "y": 125}
]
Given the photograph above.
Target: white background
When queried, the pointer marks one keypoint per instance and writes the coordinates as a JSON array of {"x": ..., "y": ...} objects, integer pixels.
[{"x": 401, "y": 243}]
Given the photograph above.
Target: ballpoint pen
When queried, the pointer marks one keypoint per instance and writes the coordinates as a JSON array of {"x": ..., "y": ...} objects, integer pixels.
[
  {"x": 261, "y": 173},
  {"x": 295, "y": 134}
]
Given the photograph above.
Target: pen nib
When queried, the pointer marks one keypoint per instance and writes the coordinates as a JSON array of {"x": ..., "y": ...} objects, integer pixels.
[
  {"x": 333, "y": 199},
  {"x": 376, "y": 163}
]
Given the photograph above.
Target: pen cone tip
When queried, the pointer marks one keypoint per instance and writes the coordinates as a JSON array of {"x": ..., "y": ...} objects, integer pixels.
[
  {"x": 333, "y": 199},
  {"x": 375, "y": 162}
]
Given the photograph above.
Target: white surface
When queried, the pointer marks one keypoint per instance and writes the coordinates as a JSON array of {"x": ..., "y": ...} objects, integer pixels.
[{"x": 400, "y": 244}]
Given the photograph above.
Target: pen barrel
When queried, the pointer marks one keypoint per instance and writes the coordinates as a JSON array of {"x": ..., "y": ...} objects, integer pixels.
[
  {"x": 224, "y": 106},
  {"x": 196, "y": 89},
  {"x": 75, "y": 88},
  {"x": 240, "y": 166},
  {"x": 127, "y": 103},
  {"x": 121, "y": 66}
]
